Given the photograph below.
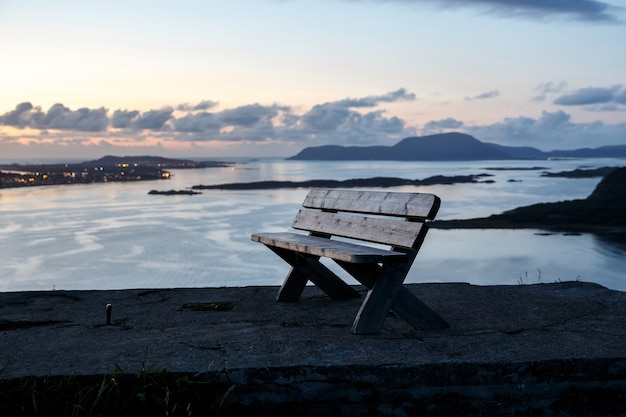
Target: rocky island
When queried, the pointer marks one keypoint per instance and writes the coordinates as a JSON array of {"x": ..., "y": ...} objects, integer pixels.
[
  {"x": 351, "y": 183},
  {"x": 173, "y": 192},
  {"x": 603, "y": 211},
  {"x": 106, "y": 169}
]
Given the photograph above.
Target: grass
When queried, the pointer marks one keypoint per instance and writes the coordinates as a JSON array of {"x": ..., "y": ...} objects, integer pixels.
[
  {"x": 119, "y": 394},
  {"x": 523, "y": 280}
]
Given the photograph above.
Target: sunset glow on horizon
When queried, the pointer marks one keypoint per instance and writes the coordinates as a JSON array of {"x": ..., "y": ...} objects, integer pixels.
[{"x": 268, "y": 78}]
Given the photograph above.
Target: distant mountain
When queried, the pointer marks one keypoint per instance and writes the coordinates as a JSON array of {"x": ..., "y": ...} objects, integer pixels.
[
  {"x": 528, "y": 152},
  {"x": 618, "y": 151},
  {"x": 520, "y": 152},
  {"x": 447, "y": 147}
]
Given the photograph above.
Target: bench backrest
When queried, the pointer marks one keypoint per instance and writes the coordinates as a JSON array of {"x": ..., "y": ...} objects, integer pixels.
[{"x": 337, "y": 213}]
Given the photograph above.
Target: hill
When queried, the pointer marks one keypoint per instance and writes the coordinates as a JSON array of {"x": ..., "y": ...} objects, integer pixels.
[{"x": 447, "y": 147}]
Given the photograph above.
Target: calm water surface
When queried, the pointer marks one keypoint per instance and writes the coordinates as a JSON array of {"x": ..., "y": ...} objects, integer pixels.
[{"x": 116, "y": 236}]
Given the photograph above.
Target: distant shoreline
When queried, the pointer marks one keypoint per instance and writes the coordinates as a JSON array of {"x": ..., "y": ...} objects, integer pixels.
[{"x": 106, "y": 169}]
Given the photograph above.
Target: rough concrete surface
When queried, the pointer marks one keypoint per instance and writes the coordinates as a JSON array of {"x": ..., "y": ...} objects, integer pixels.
[{"x": 525, "y": 347}]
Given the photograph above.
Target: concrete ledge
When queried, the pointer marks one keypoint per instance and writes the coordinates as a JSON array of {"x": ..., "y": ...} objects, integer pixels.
[
  {"x": 546, "y": 388},
  {"x": 545, "y": 349}
]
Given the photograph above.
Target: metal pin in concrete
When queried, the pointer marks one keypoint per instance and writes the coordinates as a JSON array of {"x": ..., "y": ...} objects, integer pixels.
[{"x": 109, "y": 307}]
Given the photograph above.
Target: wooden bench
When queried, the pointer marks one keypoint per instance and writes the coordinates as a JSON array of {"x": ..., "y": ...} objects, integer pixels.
[{"x": 397, "y": 221}]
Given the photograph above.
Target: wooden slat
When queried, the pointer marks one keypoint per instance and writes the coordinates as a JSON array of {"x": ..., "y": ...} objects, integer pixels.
[
  {"x": 412, "y": 205},
  {"x": 318, "y": 246},
  {"x": 390, "y": 231}
]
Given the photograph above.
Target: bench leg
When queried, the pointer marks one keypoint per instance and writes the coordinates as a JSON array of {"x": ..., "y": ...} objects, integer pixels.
[
  {"x": 309, "y": 268},
  {"x": 379, "y": 300},
  {"x": 406, "y": 304},
  {"x": 292, "y": 287},
  {"x": 414, "y": 311}
]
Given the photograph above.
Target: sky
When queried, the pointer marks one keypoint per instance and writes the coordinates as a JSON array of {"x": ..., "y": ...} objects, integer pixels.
[{"x": 266, "y": 78}]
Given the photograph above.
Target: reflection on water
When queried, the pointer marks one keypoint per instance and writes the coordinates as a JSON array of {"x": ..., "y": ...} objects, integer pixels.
[
  {"x": 611, "y": 244},
  {"x": 489, "y": 257},
  {"x": 106, "y": 236}
]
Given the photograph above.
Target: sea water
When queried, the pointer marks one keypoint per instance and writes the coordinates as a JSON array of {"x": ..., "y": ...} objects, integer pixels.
[{"x": 117, "y": 236}]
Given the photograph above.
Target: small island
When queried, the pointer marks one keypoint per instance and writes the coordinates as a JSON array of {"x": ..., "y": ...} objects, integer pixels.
[
  {"x": 173, "y": 192},
  {"x": 106, "y": 169}
]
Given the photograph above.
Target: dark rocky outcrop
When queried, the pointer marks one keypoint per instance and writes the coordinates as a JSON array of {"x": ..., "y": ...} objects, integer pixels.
[
  {"x": 603, "y": 211},
  {"x": 581, "y": 173},
  {"x": 356, "y": 182}
]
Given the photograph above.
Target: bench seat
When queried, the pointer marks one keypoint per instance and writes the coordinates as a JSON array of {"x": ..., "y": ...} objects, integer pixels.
[{"x": 333, "y": 249}]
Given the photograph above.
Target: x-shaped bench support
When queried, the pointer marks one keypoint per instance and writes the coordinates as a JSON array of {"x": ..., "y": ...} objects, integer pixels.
[{"x": 383, "y": 281}]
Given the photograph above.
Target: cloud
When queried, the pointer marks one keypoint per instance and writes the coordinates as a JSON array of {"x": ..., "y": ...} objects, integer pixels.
[
  {"x": 552, "y": 130},
  {"x": 256, "y": 128},
  {"x": 576, "y": 10},
  {"x": 332, "y": 124},
  {"x": 594, "y": 95},
  {"x": 338, "y": 114},
  {"x": 153, "y": 119},
  {"x": 373, "y": 101},
  {"x": 57, "y": 117},
  {"x": 133, "y": 119},
  {"x": 483, "y": 96},
  {"x": 341, "y": 121},
  {"x": 545, "y": 89},
  {"x": 438, "y": 126},
  {"x": 21, "y": 117},
  {"x": 123, "y": 118},
  {"x": 325, "y": 117},
  {"x": 203, "y": 105},
  {"x": 248, "y": 117},
  {"x": 552, "y": 120},
  {"x": 199, "y": 122}
]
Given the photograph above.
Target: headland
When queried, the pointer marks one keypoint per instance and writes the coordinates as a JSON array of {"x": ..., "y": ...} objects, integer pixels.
[{"x": 603, "y": 211}]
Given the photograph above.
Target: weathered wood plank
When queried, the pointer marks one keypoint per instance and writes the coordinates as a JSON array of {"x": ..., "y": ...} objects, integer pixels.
[
  {"x": 412, "y": 205},
  {"x": 333, "y": 249},
  {"x": 391, "y": 231}
]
